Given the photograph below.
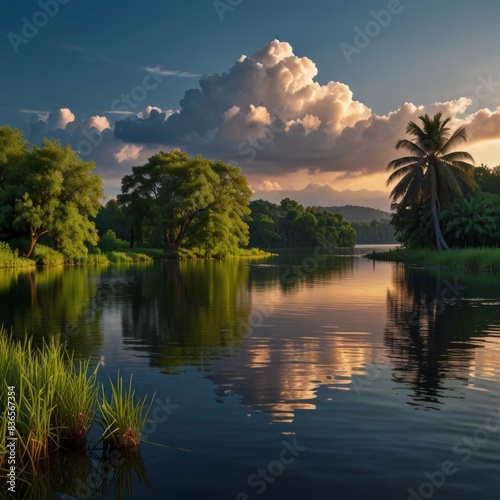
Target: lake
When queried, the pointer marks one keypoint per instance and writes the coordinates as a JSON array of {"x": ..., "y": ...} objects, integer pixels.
[{"x": 301, "y": 376}]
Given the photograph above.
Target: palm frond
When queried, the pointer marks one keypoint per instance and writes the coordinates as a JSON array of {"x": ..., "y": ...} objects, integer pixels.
[
  {"x": 402, "y": 162},
  {"x": 402, "y": 172},
  {"x": 458, "y": 136},
  {"x": 410, "y": 146}
]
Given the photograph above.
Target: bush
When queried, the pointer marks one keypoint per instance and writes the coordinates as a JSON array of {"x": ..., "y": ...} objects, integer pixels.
[
  {"x": 10, "y": 258},
  {"x": 110, "y": 242},
  {"x": 46, "y": 256}
]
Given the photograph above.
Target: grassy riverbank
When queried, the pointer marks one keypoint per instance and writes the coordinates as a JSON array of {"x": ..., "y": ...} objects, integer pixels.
[
  {"x": 471, "y": 259},
  {"x": 46, "y": 256}
]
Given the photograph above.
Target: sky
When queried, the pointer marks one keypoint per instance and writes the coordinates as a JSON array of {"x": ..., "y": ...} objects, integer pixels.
[{"x": 307, "y": 97}]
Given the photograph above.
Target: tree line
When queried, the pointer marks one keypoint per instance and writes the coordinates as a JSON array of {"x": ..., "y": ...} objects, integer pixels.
[
  {"x": 289, "y": 225},
  {"x": 185, "y": 204}
]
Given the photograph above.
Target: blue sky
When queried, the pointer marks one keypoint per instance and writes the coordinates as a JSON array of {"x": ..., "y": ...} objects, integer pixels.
[{"x": 71, "y": 73}]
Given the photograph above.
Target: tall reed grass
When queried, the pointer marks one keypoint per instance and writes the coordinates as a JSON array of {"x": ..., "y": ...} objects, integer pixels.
[
  {"x": 57, "y": 401},
  {"x": 123, "y": 418}
]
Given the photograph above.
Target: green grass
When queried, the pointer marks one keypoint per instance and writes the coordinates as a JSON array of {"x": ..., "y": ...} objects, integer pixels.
[
  {"x": 253, "y": 252},
  {"x": 123, "y": 418},
  {"x": 127, "y": 257},
  {"x": 154, "y": 253},
  {"x": 193, "y": 254},
  {"x": 10, "y": 258},
  {"x": 469, "y": 259},
  {"x": 95, "y": 259},
  {"x": 57, "y": 402}
]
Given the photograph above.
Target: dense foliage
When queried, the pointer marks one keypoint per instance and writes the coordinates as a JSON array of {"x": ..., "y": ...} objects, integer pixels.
[
  {"x": 176, "y": 201},
  {"x": 376, "y": 232},
  {"x": 488, "y": 179},
  {"x": 47, "y": 191},
  {"x": 289, "y": 225},
  {"x": 472, "y": 221}
]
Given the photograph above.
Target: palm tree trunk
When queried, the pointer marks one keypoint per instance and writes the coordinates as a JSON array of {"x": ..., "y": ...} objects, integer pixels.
[{"x": 440, "y": 242}]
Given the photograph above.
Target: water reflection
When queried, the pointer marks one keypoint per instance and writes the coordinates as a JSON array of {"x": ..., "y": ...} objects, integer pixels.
[
  {"x": 274, "y": 331},
  {"x": 185, "y": 313},
  {"x": 83, "y": 473},
  {"x": 315, "y": 331},
  {"x": 442, "y": 331},
  {"x": 53, "y": 302}
]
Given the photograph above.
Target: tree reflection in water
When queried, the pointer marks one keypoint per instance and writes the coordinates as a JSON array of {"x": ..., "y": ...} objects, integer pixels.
[{"x": 437, "y": 323}]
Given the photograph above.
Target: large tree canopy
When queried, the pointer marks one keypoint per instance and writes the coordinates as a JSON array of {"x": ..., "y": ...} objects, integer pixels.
[
  {"x": 197, "y": 204},
  {"x": 433, "y": 172},
  {"x": 49, "y": 191}
]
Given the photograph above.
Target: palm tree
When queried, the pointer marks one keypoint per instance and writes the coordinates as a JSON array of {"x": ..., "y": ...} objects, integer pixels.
[{"x": 433, "y": 172}]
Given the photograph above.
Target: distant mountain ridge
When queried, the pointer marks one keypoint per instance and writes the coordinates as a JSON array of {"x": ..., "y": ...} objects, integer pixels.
[{"x": 354, "y": 213}]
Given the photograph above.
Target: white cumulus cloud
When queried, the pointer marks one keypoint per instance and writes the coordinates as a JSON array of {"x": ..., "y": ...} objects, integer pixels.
[
  {"x": 128, "y": 152},
  {"x": 270, "y": 115}
]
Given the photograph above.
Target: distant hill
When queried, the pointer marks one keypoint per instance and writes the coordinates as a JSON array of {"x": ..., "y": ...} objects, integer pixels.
[
  {"x": 353, "y": 213},
  {"x": 371, "y": 225}
]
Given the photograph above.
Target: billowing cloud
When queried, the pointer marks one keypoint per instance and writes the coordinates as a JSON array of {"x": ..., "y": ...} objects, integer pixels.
[
  {"x": 266, "y": 185},
  {"x": 128, "y": 152},
  {"x": 483, "y": 125},
  {"x": 94, "y": 138},
  {"x": 269, "y": 115},
  {"x": 59, "y": 119},
  {"x": 100, "y": 123}
]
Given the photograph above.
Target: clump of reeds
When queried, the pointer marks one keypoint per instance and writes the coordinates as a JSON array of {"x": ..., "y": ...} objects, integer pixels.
[
  {"x": 56, "y": 401},
  {"x": 123, "y": 418},
  {"x": 75, "y": 398}
]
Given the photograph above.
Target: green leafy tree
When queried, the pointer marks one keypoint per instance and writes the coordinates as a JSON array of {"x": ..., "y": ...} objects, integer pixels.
[
  {"x": 263, "y": 224},
  {"x": 413, "y": 225},
  {"x": 111, "y": 216},
  {"x": 51, "y": 191},
  {"x": 12, "y": 149},
  {"x": 432, "y": 171},
  {"x": 488, "y": 179},
  {"x": 473, "y": 221},
  {"x": 194, "y": 202}
]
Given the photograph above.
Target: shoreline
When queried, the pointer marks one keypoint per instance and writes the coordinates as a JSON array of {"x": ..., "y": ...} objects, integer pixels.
[{"x": 468, "y": 259}]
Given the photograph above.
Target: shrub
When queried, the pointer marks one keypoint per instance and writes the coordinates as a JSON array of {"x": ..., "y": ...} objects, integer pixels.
[
  {"x": 110, "y": 242},
  {"x": 46, "y": 256},
  {"x": 10, "y": 257}
]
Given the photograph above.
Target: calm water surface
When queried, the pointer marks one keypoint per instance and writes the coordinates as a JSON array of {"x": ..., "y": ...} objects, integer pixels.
[{"x": 294, "y": 377}]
